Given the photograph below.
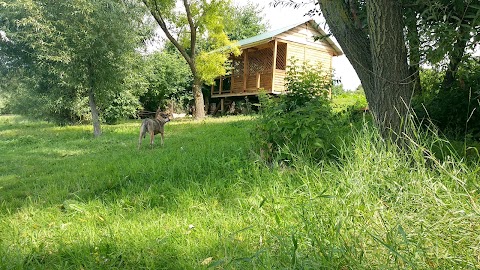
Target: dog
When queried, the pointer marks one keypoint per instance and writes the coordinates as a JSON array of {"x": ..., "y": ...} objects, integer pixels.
[{"x": 153, "y": 126}]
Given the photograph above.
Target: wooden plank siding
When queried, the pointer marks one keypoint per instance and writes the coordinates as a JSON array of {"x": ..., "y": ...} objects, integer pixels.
[
  {"x": 279, "y": 81},
  {"x": 313, "y": 56},
  {"x": 304, "y": 34}
]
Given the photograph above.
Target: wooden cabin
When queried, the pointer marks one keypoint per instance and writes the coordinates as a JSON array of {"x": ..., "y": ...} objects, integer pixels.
[{"x": 265, "y": 58}]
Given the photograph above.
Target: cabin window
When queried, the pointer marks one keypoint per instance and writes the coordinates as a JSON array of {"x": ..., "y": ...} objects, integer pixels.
[
  {"x": 227, "y": 84},
  {"x": 216, "y": 86},
  {"x": 281, "y": 56}
]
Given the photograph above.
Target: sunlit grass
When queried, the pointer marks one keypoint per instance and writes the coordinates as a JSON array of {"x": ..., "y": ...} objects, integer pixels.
[{"x": 69, "y": 201}]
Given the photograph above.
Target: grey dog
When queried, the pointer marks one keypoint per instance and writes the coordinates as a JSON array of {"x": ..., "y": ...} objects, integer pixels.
[{"x": 153, "y": 126}]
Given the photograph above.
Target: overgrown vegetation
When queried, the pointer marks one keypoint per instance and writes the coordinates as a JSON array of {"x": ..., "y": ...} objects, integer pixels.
[
  {"x": 307, "y": 184},
  {"x": 304, "y": 121},
  {"x": 204, "y": 200},
  {"x": 456, "y": 110}
]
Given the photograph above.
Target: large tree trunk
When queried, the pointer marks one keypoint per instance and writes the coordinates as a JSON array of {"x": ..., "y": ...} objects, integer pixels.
[
  {"x": 199, "y": 101},
  {"x": 352, "y": 38},
  {"x": 97, "y": 131},
  {"x": 377, "y": 55},
  {"x": 393, "y": 85}
]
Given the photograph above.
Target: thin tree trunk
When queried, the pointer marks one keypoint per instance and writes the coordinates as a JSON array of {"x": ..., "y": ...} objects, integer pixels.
[
  {"x": 97, "y": 131},
  {"x": 199, "y": 101},
  {"x": 414, "y": 56},
  {"x": 455, "y": 57}
]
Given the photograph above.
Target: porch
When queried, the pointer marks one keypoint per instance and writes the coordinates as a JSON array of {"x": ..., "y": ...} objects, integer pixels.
[{"x": 258, "y": 67}]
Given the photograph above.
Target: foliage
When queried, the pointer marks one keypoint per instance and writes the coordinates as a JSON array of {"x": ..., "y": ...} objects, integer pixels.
[
  {"x": 301, "y": 121},
  {"x": 169, "y": 78},
  {"x": 203, "y": 196},
  {"x": 456, "y": 111},
  {"x": 337, "y": 89},
  {"x": 71, "y": 49},
  {"x": 441, "y": 32},
  {"x": 350, "y": 101},
  {"x": 199, "y": 27},
  {"x": 244, "y": 21},
  {"x": 446, "y": 26}
]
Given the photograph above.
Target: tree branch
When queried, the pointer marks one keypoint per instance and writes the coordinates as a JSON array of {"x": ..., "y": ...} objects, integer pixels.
[
  {"x": 157, "y": 15},
  {"x": 193, "y": 28}
]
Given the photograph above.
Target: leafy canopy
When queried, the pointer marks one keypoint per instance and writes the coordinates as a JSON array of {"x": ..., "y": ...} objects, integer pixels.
[
  {"x": 69, "y": 48},
  {"x": 198, "y": 32}
]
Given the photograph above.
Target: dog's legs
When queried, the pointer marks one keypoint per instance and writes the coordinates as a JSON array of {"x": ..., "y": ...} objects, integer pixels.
[
  {"x": 161, "y": 133},
  {"x": 152, "y": 136},
  {"x": 142, "y": 134}
]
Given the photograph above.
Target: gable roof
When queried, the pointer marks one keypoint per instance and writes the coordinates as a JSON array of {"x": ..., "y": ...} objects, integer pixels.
[{"x": 267, "y": 36}]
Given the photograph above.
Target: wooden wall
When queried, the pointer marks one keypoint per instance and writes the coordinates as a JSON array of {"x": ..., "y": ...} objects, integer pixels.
[
  {"x": 303, "y": 47},
  {"x": 279, "y": 81},
  {"x": 304, "y": 34},
  {"x": 313, "y": 56}
]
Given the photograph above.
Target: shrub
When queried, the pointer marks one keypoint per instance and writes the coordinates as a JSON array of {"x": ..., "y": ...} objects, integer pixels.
[
  {"x": 301, "y": 122},
  {"x": 455, "y": 111}
]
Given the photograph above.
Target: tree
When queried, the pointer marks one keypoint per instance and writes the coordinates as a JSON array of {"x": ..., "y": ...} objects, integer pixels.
[
  {"x": 169, "y": 77},
  {"x": 245, "y": 21},
  {"x": 375, "y": 46},
  {"x": 78, "y": 51},
  {"x": 200, "y": 19},
  {"x": 435, "y": 31},
  {"x": 442, "y": 32}
]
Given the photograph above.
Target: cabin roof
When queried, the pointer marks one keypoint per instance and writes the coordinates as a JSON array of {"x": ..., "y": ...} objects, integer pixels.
[{"x": 267, "y": 36}]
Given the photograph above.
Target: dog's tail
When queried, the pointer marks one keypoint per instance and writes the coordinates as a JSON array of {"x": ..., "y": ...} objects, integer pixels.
[{"x": 143, "y": 131}]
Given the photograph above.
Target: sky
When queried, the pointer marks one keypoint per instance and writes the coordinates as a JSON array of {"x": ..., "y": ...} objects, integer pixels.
[{"x": 279, "y": 17}]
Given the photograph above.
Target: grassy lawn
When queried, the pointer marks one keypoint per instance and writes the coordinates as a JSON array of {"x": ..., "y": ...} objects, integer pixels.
[{"x": 68, "y": 201}]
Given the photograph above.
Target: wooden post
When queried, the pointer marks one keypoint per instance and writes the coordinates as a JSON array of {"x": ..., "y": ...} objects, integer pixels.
[
  {"x": 220, "y": 86},
  {"x": 275, "y": 44},
  {"x": 231, "y": 83},
  {"x": 245, "y": 70},
  {"x": 258, "y": 80},
  {"x": 222, "y": 105}
]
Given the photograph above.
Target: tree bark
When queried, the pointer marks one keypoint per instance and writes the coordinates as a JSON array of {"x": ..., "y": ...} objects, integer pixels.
[
  {"x": 393, "y": 85},
  {"x": 377, "y": 55},
  {"x": 353, "y": 40},
  {"x": 199, "y": 101},
  {"x": 97, "y": 131}
]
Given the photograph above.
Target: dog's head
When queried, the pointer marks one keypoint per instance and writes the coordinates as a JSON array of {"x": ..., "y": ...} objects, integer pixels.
[{"x": 163, "y": 116}]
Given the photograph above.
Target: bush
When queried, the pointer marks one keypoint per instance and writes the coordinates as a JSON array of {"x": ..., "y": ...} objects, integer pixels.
[
  {"x": 455, "y": 111},
  {"x": 301, "y": 122}
]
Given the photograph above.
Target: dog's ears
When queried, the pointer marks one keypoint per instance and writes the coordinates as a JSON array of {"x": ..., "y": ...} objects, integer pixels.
[{"x": 158, "y": 112}]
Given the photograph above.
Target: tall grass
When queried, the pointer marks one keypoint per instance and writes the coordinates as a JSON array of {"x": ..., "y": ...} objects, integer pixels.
[{"x": 204, "y": 200}]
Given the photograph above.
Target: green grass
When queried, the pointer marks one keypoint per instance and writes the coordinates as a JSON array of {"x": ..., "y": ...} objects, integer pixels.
[{"x": 68, "y": 201}]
